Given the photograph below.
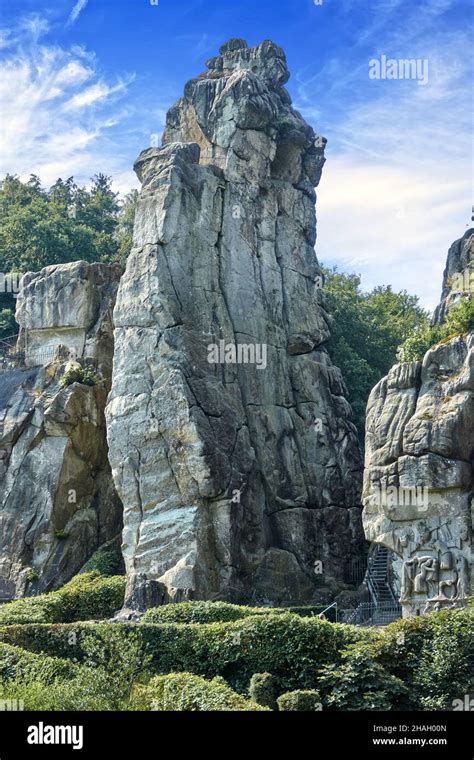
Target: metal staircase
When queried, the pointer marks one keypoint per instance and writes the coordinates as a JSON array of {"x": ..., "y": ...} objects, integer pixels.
[{"x": 383, "y": 607}]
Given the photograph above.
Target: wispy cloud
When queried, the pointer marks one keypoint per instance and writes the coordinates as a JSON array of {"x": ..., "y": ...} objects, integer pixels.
[
  {"x": 396, "y": 187},
  {"x": 74, "y": 15},
  {"x": 57, "y": 109}
]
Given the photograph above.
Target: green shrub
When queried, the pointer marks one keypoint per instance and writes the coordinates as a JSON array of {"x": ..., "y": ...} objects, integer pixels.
[
  {"x": 358, "y": 682},
  {"x": 263, "y": 689},
  {"x": 104, "y": 680},
  {"x": 459, "y": 320},
  {"x": 87, "y": 596},
  {"x": 107, "y": 560},
  {"x": 187, "y": 692},
  {"x": 203, "y": 612},
  {"x": 432, "y": 654},
  {"x": 290, "y": 647},
  {"x": 413, "y": 664},
  {"x": 419, "y": 342},
  {"x": 18, "y": 663},
  {"x": 87, "y": 690},
  {"x": 78, "y": 374},
  {"x": 301, "y": 700},
  {"x": 125, "y": 659}
]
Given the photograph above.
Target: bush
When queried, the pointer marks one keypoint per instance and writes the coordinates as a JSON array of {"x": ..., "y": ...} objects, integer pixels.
[
  {"x": 187, "y": 692},
  {"x": 302, "y": 700},
  {"x": 263, "y": 690},
  {"x": 203, "y": 612},
  {"x": 78, "y": 374},
  {"x": 107, "y": 560},
  {"x": 87, "y": 596},
  {"x": 432, "y": 655},
  {"x": 359, "y": 682},
  {"x": 419, "y": 663},
  {"x": 103, "y": 682},
  {"x": 18, "y": 663},
  {"x": 125, "y": 659},
  {"x": 290, "y": 647},
  {"x": 87, "y": 690},
  {"x": 459, "y": 320}
]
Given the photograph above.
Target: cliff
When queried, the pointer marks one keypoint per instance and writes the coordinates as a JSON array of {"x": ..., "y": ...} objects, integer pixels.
[
  {"x": 57, "y": 500},
  {"x": 230, "y": 437}
]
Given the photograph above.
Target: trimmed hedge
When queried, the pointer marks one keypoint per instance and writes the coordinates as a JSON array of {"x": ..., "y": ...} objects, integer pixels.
[
  {"x": 219, "y": 612},
  {"x": 204, "y": 612},
  {"x": 86, "y": 690},
  {"x": 85, "y": 597},
  {"x": 18, "y": 663},
  {"x": 263, "y": 689},
  {"x": 290, "y": 647},
  {"x": 178, "y": 692},
  {"x": 422, "y": 663},
  {"x": 302, "y": 700}
]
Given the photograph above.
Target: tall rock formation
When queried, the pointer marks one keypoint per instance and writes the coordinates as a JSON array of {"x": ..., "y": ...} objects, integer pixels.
[
  {"x": 230, "y": 437},
  {"x": 57, "y": 500},
  {"x": 418, "y": 481}
]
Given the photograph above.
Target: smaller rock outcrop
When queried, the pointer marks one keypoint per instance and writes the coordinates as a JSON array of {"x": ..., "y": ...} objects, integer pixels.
[
  {"x": 458, "y": 278},
  {"x": 418, "y": 481},
  {"x": 57, "y": 500}
]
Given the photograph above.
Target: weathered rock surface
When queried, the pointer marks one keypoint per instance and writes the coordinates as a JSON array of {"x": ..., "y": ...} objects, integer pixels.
[
  {"x": 458, "y": 279},
  {"x": 418, "y": 481},
  {"x": 68, "y": 305},
  {"x": 57, "y": 500},
  {"x": 237, "y": 472}
]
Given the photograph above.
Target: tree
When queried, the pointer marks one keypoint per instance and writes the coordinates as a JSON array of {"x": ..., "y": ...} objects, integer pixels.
[
  {"x": 124, "y": 231},
  {"x": 459, "y": 321},
  {"x": 368, "y": 329},
  {"x": 40, "y": 227}
]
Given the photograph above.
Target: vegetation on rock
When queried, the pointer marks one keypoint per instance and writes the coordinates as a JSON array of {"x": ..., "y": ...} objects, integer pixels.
[{"x": 459, "y": 320}]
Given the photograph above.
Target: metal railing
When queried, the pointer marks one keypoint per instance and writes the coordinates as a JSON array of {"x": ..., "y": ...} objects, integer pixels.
[
  {"x": 354, "y": 573},
  {"x": 12, "y": 359},
  {"x": 368, "y": 614}
]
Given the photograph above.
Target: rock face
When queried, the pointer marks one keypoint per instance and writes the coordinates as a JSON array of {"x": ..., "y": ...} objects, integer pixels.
[
  {"x": 418, "y": 480},
  {"x": 458, "y": 279},
  {"x": 68, "y": 305},
  {"x": 230, "y": 437},
  {"x": 57, "y": 500}
]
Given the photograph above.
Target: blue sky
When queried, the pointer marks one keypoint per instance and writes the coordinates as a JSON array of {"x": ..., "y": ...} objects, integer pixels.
[{"x": 85, "y": 85}]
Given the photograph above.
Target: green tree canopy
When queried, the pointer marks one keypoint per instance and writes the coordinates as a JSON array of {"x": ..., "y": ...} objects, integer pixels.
[
  {"x": 40, "y": 227},
  {"x": 367, "y": 332}
]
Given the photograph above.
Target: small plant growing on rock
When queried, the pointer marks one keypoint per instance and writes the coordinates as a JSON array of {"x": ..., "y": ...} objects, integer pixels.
[
  {"x": 78, "y": 374},
  {"x": 61, "y": 534}
]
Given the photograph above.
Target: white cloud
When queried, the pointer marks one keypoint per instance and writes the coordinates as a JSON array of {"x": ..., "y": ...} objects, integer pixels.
[
  {"x": 396, "y": 188},
  {"x": 393, "y": 225},
  {"x": 57, "y": 109},
  {"x": 93, "y": 95},
  {"x": 78, "y": 8}
]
